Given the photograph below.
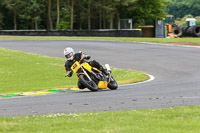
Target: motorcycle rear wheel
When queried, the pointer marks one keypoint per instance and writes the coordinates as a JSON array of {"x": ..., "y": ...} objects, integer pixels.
[
  {"x": 112, "y": 84},
  {"x": 91, "y": 85}
]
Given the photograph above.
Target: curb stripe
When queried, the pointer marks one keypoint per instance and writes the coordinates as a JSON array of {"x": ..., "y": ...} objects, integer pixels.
[
  {"x": 36, "y": 93},
  {"x": 15, "y": 95},
  {"x": 5, "y": 96},
  {"x": 75, "y": 89},
  {"x": 44, "y": 92},
  {"x": 64, "y": 90},
  {"x": 30, "y": 93},
  {"x": 151, "y": 78}
]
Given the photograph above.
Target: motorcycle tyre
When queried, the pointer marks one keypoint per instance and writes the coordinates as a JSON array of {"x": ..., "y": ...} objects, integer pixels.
[
  {"x": 112, "y": 84},
  {"x": 92, "y": 87}
]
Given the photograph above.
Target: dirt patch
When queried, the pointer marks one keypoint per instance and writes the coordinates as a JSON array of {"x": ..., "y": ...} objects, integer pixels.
[{"x": 184, "y": 44}]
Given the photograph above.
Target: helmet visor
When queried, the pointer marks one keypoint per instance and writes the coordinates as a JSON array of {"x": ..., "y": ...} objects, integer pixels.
[{"x": 68, "y": 55}]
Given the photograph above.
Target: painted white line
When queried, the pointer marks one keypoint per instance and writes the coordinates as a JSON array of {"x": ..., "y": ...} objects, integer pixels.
[
  {"x": 151, "y": 78},
  {"x": 164, "y": 44},
  {"x": 195, "y": 97},
  {"x": 172, "y": 45}
]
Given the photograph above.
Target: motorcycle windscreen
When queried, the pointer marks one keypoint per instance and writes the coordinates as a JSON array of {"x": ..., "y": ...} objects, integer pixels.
[{"x": 102, "y": 84}]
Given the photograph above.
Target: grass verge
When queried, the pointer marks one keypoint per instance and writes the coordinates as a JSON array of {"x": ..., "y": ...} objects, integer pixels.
[
  {"x": 169, "y": 120},
  {"x": 186, "y": 40},
  {"x": 23, "y": 72}
]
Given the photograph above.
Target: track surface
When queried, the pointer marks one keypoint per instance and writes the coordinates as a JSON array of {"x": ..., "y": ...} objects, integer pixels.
[{"x": 176, "y": 70}]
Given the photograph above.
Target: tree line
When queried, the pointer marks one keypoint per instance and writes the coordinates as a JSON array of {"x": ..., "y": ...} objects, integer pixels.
[
  {"x": 77, "y": 14},
  {"x": 89, "y": 14},
  {"x": 182, "y": 8}
]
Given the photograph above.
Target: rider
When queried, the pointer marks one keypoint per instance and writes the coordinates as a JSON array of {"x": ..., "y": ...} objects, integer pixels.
[{"x": 73, "y": 57}]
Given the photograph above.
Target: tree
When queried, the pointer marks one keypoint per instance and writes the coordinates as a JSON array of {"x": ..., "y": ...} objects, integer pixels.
[
  {"x": 79, "y": 16},
  {"x": 89, "y": 14},
  {"x": 1, "y": 20},
  {"x": 181, "y": 21},
  {"x": 70, "y": 5},
  {"x": 58, "y": 13},
  {"x": 147, "y": 11},
  {"x": 30, "y": 12},
  {"x": 72, "y": 15},
  {"x": 13, "y": 5},
  {"x": 112, "y": 12},
  {"x": 49, "y": 19},
  {"x": 184, "y": 7}
]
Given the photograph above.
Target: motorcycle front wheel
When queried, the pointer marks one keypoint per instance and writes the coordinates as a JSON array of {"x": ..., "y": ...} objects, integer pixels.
[{"x": 91, "y": 85}]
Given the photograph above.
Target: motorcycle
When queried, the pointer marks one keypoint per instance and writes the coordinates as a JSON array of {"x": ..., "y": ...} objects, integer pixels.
[{"x": 92, "y": 78}]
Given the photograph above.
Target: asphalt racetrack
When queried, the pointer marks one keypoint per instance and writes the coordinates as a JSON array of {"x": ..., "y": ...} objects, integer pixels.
[{"x": 176, "y": 70}]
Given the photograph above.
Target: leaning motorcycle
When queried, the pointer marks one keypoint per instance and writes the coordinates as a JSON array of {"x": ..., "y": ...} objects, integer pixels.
[{"x": 92, "y": 78}]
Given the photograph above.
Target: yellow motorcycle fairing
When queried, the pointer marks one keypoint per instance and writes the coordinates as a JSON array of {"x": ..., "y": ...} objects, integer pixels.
[
  {"x": 79, "y": 75},
  {"x": 87, "y": 66},
  {"x": 76, "y": 66},
  {"x": 96, "y": 69}
]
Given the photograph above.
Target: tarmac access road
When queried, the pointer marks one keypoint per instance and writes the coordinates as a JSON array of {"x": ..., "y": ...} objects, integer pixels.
[{"x": 176, "y": 70}]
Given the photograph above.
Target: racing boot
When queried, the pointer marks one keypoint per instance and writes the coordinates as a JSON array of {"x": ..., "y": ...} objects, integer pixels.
[{"x": 104, "y": 70}]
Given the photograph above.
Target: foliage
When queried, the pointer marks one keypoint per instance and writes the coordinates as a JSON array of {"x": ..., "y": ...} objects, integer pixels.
[
  {"x": 104, "y": 14},
  {"x": 31, "y": 11},
  {"x": 65, "y": 15},
  {"x": 1, "y": 21},
  {"x": 180, "y": 8},
  {"x": 147, "y": 11},
  {"x": 182, "y": 21},
  {"x": 14, "y": 6},
  {"x": 198, "y": 20},
  {"x": 64, "y": 25}
]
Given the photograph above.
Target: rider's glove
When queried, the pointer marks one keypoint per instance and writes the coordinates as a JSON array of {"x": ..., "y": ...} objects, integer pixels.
[
  {"x": 68, "y": 74},
  {"x": 87, "y": 57}
]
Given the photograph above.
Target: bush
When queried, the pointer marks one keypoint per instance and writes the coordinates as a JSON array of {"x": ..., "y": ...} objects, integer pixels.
[
  {"x": 182, "y": 21},
  {"x": 64, "y": 25},
  {"x": 198, "y": 20}
]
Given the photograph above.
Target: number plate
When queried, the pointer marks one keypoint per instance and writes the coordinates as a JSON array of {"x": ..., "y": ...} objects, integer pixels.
[{"x": 75, "y": 67}]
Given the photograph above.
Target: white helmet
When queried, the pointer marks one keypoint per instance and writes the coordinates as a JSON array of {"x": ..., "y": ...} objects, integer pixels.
[{"x": 69, "y": 53}]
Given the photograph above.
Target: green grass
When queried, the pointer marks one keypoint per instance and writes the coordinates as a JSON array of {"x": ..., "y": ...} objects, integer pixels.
[
  {"x": 23, "y": 72},
  {"x": 169, "y": 120},
  {"x": 128, "y": 39},
  {"x": 37, "y": 72}
]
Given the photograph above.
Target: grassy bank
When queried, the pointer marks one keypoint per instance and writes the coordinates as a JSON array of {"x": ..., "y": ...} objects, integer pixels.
[
  {"x": 22, "y": 72},
  {"x": 36, "y": 72},
  {"x": 170, "y": 120},
  {"x": 189, "y": 41}
]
